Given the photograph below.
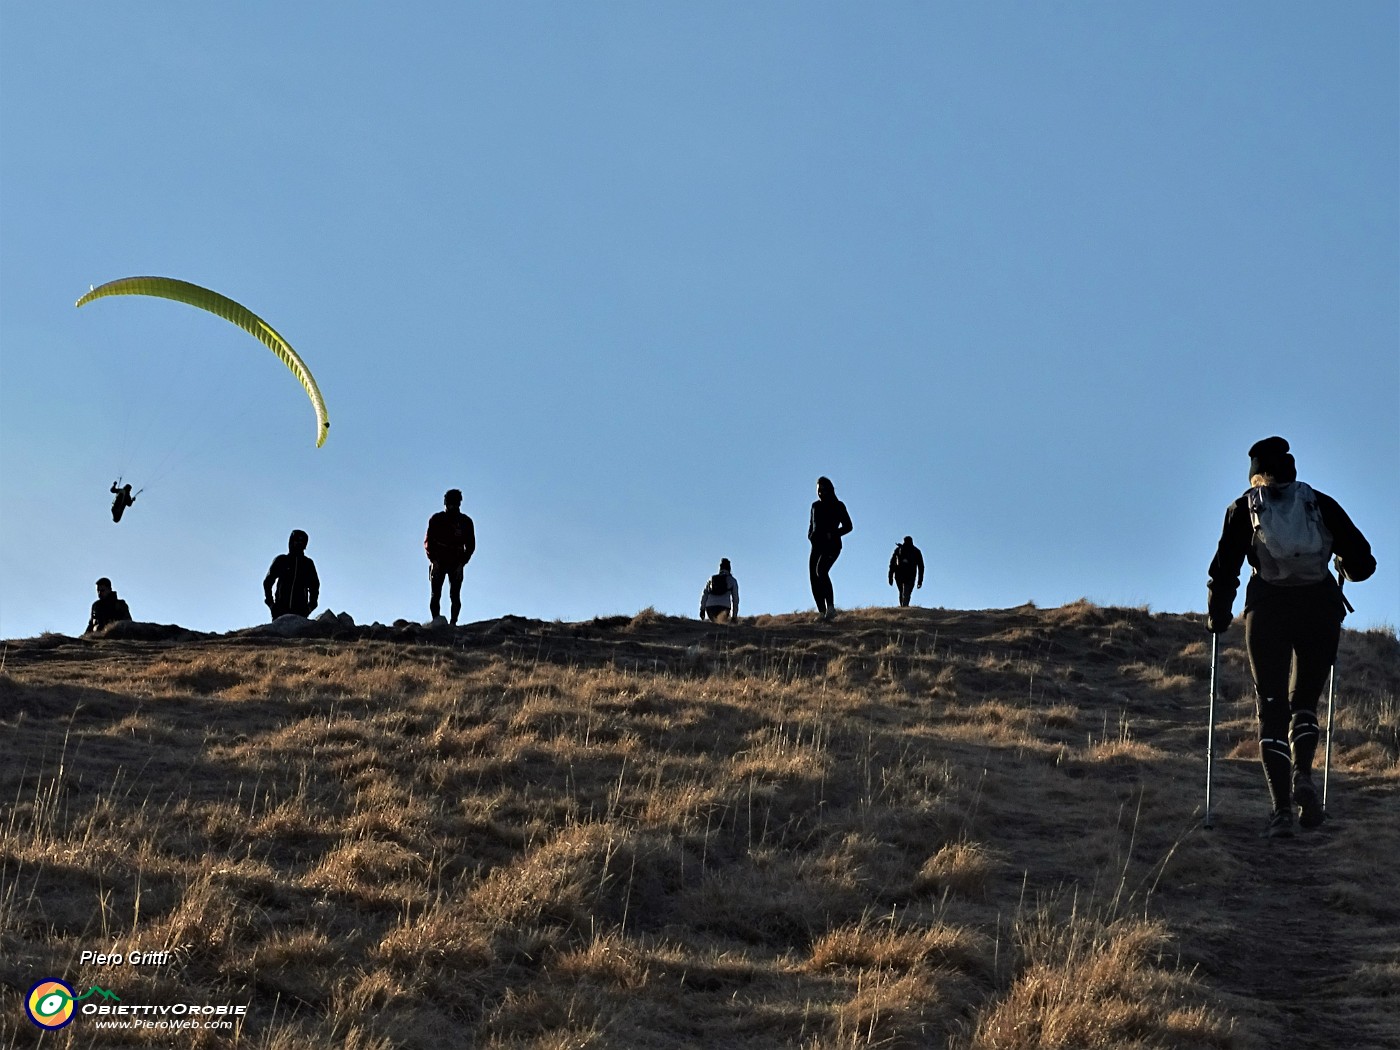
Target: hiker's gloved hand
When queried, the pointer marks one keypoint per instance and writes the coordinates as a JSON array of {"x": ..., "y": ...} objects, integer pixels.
[{"x": 1219, "y": 622}]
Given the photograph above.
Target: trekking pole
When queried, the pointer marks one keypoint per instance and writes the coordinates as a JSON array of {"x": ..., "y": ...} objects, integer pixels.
[
  {"x": 1327, "y": 748},
  {"x": 1210, "y": 729},
  {"x": 1331, "y": 701}
]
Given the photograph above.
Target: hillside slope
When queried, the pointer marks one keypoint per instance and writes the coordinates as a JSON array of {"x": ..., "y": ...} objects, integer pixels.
[{"x": 906, "y": 828}]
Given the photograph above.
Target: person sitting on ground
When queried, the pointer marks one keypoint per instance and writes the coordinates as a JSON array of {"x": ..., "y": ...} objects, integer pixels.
[
  {"x": 124, "y": 499},
  {"x": 719, "y": 601},
  {"x": 108, "y": 608},
  {"x": 906, "y": 564},
  {"x": 1293, "y": 612},
  {"x": 294, "y": 574}
]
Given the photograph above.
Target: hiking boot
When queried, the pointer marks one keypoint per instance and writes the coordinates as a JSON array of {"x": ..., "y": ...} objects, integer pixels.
[
  {"x": 1280, "y": 825},
  {"x": 1310, "y": 813}
]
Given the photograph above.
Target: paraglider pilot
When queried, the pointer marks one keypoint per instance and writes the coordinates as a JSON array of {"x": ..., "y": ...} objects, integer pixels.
[{"x": 124, "y": 499}]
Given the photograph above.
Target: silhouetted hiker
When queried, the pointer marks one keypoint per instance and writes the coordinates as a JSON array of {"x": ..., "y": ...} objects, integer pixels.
[
  {"x": 1293, "y": 612},
  {"x": 298, "y": 588},
  {"x": 450, "y": 543},
  {"x": 107, "y": 609},
  {"x": 829, "y": 522},
  {"x": 720, "y": 598},
  {"x": 124, "y": 499},
  {"x": 906, "y": 565}
]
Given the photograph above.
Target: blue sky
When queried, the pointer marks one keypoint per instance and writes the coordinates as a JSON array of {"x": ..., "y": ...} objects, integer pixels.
[{"x": 1025, "y": 280}]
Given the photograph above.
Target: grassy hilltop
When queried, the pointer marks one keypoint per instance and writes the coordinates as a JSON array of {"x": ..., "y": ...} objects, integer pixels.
[{"x": 907, "y": 828}]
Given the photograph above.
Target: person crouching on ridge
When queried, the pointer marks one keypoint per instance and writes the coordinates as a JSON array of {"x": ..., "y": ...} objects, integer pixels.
[
  {"x": 1293, "y": 612},
  {"x": 107, "y": 609},
  {"x": 294, "y": 575},
  {"x": 719, "y": 601}
]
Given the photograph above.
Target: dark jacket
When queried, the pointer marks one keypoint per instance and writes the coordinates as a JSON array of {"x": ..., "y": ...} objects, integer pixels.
[
  {"x": 107, "y": 610},
  {"x": 124, "y": 499},
  {"x": 828, "y": 523},
  {"x": 1237, "y": 545},
  {"x": 450, "y": 540},
  {"x": 297, "y": 587},
  {"x": 909, "y": 565}
]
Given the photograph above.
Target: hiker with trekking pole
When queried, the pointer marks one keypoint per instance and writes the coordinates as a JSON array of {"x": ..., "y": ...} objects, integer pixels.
[{"x": 1293, "y": 610}]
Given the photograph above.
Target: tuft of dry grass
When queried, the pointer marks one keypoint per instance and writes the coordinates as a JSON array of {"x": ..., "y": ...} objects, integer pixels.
[
  {"x": 962, "y": 868},
  {"x": 1084, "y": 983}
]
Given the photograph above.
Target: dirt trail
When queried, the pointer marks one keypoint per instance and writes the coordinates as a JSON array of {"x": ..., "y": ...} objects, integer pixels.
[{"x": 1290, "y": 944}]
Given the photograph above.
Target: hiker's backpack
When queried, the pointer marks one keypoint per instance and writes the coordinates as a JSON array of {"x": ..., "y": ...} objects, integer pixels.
[
  {"x": 1291, "y": 543},
  {"x": 905, "y": 559},
  {"x": 719, "y": 583}
]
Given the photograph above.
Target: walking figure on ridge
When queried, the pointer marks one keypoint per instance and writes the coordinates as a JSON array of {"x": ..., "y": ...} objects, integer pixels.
[
  {"x": 827, "y": 524},
  {"x": 1293, "y": 612},
  {"x": 719, "y": 601},
  {"x": 906, "y": 565}
]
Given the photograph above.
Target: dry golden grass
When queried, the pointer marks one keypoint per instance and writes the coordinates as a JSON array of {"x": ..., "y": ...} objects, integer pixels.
[{"x": 913, "y": 828}]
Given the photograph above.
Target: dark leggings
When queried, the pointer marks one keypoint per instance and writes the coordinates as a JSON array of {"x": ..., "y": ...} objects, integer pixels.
[
  {"x": 1291, "y": 647},
  {"x": 818, "y": 571},
  {"x": 453, "y": 576}
]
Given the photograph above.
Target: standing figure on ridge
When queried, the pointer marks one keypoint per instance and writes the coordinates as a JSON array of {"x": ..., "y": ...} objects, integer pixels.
[
  {"x": 720, "y": 599},
  {"x": 450, "y": 543},
  {"x": 827, "y": 524},
  {"x": 1293, "y": 612},
  {"x": 294, "y": 575},
  {"x": 906, "y": 566},
  {"x": 107, "y": 609}
]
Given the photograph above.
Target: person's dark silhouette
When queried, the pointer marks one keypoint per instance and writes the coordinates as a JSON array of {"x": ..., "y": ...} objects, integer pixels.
[
  {"x": 124, "y": 499},
  {"x": 828, "y": 523},
  {"x": 1293, "y": 612},
  {"x": 107, "y": 609},
  {"x": 720, "y": 597},
  {"x": 906, "y": 566},
  {"x": 450, "y": 543},
  {"x": 293, "y": 575}
]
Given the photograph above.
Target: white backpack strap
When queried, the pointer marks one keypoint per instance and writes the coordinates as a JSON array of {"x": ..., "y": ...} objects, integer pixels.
[{"x": 1256, "y": 500}]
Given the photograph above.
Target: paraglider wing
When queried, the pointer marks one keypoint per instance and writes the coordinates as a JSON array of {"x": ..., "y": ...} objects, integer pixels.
[{"x": 222, "y": 306}]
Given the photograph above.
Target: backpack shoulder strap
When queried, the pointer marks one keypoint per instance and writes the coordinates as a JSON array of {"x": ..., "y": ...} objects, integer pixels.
[{"x": 1256, "y": 499}]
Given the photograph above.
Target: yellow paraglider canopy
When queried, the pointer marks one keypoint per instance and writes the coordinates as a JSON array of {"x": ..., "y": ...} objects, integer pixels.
[{"x": 223, "y": 306}]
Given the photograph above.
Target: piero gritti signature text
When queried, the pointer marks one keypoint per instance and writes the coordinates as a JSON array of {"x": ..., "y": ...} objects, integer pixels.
[{"x": 129, "y": 959}]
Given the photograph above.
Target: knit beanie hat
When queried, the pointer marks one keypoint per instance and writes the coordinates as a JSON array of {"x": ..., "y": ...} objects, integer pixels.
[{"x": 1271, "y": 457}]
